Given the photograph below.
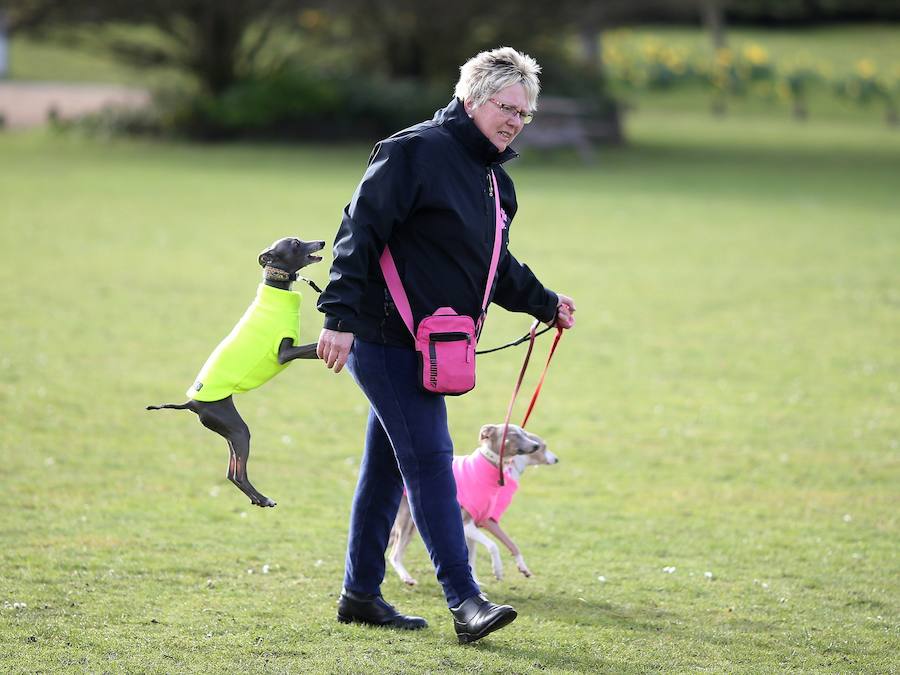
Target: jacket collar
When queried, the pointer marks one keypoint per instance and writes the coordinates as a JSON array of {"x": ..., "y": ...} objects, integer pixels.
[{"x": 455, "y": 118}]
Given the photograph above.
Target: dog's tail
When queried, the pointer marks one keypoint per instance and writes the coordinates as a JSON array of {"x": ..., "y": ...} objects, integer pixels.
[{"x": 184, "y": 406}]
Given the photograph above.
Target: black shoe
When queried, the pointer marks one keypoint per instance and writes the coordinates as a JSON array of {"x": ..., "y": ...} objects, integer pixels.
[
  {"x": 477, "y": 616},
  {"x": 374, "y": 611}
]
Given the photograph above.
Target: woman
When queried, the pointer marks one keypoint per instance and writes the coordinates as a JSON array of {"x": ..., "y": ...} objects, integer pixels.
[{"x": 427, "y": 192}]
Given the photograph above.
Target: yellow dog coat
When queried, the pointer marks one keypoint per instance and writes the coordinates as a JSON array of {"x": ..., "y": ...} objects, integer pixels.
[{"x": 248, "y": 356}]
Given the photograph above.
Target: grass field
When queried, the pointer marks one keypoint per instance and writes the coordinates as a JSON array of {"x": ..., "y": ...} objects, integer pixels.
[{"x": 727, "y": 406}]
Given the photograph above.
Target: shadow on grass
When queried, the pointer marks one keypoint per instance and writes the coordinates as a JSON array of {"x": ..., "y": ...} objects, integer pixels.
[
  {"x": 578, "y": 612},
  {"x": 552, "y": 657}
]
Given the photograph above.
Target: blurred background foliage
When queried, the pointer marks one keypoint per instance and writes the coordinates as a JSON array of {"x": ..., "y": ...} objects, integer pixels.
[{"x": 361, "y": 69}]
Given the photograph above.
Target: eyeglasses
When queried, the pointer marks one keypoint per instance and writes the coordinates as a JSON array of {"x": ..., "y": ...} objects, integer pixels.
[{"x": 512, "y": 111}]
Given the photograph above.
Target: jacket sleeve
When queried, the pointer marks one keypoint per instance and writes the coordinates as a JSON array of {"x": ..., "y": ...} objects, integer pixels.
[
  {"x": 518, "y": 290},
  {"x": 384, "y": 198}
]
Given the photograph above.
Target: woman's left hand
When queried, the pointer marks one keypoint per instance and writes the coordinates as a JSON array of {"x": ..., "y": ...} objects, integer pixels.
[{"x": 565, "y": 312}]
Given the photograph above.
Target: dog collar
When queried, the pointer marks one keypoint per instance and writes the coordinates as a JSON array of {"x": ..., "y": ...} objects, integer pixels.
[
  {"x": 275, "y": 274},
  {"x": 490, "y": 456}
]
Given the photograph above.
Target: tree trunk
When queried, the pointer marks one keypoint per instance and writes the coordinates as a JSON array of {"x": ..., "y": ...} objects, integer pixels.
[
  {"x": 714, "y": 20},
  {"x": 218, "y": 35},
  {"x": 590, "y": 47},
  {"x": 718, "y": 107},
  {"x": 4, "y": 46},
  {"x": 405, "y": 56}
]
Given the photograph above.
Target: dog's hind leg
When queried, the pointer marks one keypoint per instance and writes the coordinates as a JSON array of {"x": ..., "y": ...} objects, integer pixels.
[
  {"x": 401, "y": 535},
  {"x": 237, "y": 469},
  {"x": 223, "y": 418}
]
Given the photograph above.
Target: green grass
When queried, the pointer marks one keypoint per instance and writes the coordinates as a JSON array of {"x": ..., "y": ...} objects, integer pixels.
[
  {"x": 728, "y": 403},
  {"x": 56, "y": 59},
  {"x": 31, "y": 59}
]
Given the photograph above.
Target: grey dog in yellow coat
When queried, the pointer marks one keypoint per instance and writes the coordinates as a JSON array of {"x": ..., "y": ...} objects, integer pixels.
[{"x": 260, "y": 346}]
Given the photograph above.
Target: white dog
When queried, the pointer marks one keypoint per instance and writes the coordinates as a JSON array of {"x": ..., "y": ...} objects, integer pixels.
[{"x": 480, "y": 497}]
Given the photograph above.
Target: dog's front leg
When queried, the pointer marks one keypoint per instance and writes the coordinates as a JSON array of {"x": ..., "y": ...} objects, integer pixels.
[
  {"x": 473, "y": 555},
  {"x": 472, "y": 532},
  {"x": 401, "y": 534},
  {"x": 494, "y": 528},
  {"x": 471, "y": 544},
  {"x": 288, "y": 352}
]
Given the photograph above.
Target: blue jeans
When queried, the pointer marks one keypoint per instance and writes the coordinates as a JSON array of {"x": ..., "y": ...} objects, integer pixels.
[{"x": 407, "y": 443}]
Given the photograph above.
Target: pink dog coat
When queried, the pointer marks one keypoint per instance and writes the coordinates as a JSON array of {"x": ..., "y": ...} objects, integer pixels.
[{"x": 477, "y": 490}]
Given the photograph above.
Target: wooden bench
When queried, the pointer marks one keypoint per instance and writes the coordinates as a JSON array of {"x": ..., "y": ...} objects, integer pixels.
[{"x": 571, "y": 123}]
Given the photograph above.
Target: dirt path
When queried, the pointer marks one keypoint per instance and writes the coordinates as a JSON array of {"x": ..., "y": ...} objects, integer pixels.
[{"x": 27, "y": 104}]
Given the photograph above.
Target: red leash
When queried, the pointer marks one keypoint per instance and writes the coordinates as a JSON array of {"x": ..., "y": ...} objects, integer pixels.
[
  {"x": 537, "y": 390},
  {"x": 534, "y": 396}
]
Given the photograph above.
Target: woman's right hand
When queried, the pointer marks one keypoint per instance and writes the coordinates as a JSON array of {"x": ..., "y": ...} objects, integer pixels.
[
  {"x": 334, "y": 348},
  {"x": 565, "y": 312}
]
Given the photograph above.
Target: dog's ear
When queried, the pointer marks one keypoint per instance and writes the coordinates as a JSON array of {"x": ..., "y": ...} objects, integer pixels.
[
  {"x": 266, "y": 257},
  {"x": 489, "y": 434}
]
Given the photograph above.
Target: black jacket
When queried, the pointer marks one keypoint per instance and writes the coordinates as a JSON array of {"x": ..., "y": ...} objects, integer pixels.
[{"x": 426, "y": 193}]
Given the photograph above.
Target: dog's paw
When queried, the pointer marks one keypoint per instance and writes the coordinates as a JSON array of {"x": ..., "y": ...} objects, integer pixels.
[
  {"x": 409, "y": 581},
  {"x": 523, "y": 568}
]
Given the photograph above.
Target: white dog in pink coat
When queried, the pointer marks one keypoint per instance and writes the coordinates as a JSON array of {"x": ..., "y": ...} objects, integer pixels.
[{"x": 482, "y": 500}]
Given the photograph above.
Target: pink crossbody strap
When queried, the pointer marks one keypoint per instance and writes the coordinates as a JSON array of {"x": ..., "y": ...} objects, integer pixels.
[
  {"x": 398, "y": 293},
  {"x": 392, "y": 278},
  {"x": 495, "y": 256}
]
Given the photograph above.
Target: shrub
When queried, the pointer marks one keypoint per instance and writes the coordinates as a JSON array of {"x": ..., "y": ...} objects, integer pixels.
[
  {"x": 301, "y": 104},
  {"x": 290, "y": 103}
]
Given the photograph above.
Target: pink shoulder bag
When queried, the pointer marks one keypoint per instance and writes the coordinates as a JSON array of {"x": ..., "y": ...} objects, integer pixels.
[{"x": 445, "y": 341}]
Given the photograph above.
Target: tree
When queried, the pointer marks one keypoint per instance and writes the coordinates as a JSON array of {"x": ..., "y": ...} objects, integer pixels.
[
  {"x": 213, "y": 40},
  {"x": 428, "y": 39},
  {"x": 4, "y": 45}
]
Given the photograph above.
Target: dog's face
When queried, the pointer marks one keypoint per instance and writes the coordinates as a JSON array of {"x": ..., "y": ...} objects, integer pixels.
[
  {"x": 521, "y": 446},
  {"x": 291, "y": 254}
]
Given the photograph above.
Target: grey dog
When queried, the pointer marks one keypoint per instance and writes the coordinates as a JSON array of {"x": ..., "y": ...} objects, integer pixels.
[{"x": 260, "y": 346}]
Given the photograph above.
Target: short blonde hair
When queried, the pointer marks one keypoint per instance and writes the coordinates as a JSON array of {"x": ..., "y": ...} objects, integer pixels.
[{"x": 486, "y": 73}]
